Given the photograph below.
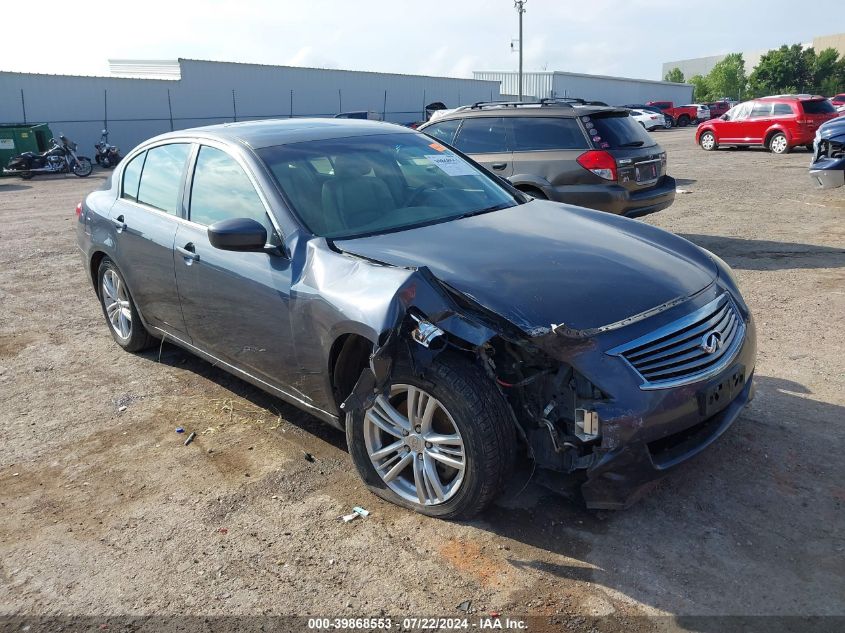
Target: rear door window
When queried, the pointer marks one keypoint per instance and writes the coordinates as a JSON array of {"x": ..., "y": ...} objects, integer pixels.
[
  {"x": 781, "y": 109},
  {"x": 483, "y": 135},
  {"x": 161, "y": 178},
  {"x": 761, "y": 109},
  {"x": 541, "y": 133},
  {"x": 615, "y": 130},
  {"x": 818, "y": 106},
  {"x": 444, "y": 131}
]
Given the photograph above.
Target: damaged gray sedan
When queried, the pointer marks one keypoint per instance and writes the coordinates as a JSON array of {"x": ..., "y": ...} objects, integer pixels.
[{"x": 450, "y": 325}]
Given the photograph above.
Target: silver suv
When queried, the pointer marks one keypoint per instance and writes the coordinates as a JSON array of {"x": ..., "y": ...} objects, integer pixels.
[{"x": 587, "y": 155}]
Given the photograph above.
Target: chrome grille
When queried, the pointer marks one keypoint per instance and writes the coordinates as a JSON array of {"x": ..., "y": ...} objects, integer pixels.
[{"x": 692, "y": 348}]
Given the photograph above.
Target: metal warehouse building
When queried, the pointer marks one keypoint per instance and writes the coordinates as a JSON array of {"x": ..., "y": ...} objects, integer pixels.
[
  {"x": 151, "y": 97},
  {"x": 611, "y": 90}
]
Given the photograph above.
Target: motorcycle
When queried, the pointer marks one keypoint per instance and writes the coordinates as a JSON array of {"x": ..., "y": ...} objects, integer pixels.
[
  {"x": 107, "y": 156},
  {"x": 61, "y": 158}
]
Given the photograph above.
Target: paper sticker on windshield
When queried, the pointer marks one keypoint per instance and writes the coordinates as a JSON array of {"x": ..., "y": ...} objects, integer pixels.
[
  {"x": 452, "y": 165},
  {"x": 437, "y": 147}
]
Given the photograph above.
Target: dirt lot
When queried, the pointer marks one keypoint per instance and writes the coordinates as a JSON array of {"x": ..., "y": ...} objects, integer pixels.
[{"x": 105, "y": 511}]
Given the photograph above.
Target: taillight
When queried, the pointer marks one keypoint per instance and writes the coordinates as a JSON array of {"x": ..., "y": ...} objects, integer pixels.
[
  {"x": 79, "y": 211},
  {"x": 599, "y": 162}
]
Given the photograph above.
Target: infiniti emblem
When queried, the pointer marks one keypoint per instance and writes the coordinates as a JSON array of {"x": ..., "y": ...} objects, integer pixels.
[{"x": 711, "y": 342}]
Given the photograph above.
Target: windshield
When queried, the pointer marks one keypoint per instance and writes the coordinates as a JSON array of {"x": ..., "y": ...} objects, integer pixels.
[
  {"x": 614, "y": 130},
  {"x": 347, "y": 187}
]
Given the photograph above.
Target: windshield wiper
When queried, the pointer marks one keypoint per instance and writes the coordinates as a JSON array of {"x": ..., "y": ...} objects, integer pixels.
[
  {"x": 495, "y": 207},
  {"x": 633, "y": 144}
]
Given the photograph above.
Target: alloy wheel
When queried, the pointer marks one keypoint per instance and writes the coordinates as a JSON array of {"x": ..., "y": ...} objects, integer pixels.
[
  {"x": 778, "y": 144},
  {"x": 415, "y": 446},
  {"x": 708, "y": 141},
  {"x": 116, "y": 303}
]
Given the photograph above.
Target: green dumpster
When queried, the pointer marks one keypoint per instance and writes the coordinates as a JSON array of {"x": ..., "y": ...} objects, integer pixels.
[{"x": 16, "y": 138}]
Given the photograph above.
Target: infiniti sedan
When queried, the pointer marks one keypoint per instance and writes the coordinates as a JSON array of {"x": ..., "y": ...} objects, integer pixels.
[{"x": 450, "y": 325}]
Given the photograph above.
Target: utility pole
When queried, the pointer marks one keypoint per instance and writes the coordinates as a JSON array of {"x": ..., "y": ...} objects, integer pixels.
[{"x": 519, "y": 5}]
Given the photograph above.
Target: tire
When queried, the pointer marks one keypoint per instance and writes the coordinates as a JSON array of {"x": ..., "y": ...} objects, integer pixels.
[
  {"x": 468, "y": 407},
  {"x": 778, "y": 144},
  {"x": 707, "y": 140},
  {"x": 667, "y": 124},
  {"x": 83, "y": 167},
  {"x": 131, "y": 336},
  {"x": 683, "y": 120},
  {"x": 810, "y": 147},
  {"x": 27, "y": 175},
  {"x": 535, "y": 193}
]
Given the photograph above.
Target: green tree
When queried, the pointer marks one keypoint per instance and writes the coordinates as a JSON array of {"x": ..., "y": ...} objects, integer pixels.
[
  {"x": 727, "y": 78},
  {"x": 675, "y": 75},
  {"x": 701, "y": 89},
  {"x": 828, "y": 73},
  {"x": 787, "y": 69}
]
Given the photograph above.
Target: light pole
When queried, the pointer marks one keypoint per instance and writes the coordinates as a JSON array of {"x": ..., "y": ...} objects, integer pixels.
[{"x": 520, "y": 9}]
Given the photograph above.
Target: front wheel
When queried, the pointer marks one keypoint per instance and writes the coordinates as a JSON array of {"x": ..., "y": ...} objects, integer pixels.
[
  {"x": 708, "y": 141},
  {"x": 442, "y": 444},
  {"x": 83, "y": 167},
  {"x": 26, "y": 175},
  {"x": 119, "y": 309},
  {"x": 778, "y": 144}
]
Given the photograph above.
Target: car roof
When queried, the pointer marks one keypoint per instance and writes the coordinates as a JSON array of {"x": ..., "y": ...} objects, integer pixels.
[
  {"x": 528, "y": 109},
  {"x": 271, "y": 132},
  {"x": 791, "y": 98}
]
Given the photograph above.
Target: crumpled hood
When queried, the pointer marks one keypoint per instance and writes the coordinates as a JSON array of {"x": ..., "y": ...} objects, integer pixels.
[{"x": 544, "y": 263}]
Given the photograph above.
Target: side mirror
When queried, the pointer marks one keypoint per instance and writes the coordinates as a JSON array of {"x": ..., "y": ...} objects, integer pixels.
[
  {"x": 238, "y": 234},
  {"x": 725, "y": 117}
]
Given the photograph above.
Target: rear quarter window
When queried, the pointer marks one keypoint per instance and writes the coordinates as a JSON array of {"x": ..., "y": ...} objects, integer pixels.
[
  {"x": 818, "y": 106},
  {"x": 132, "y": 176},
  {"x": 541, "y": 133}
]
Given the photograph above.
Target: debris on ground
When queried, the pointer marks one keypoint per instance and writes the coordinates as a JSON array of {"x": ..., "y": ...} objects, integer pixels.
[
  {"x": 464, "y": 606},
  {"x": 361, "y": 511},
  {"x": 223, "y": 530},
  {"x": 180, "y": 429},
  {"x": 308, "y": 457},
  {"x": 679, "y": 190},
  {"x": 190, "y": 438},
  {"x": 121, "y": 408}
]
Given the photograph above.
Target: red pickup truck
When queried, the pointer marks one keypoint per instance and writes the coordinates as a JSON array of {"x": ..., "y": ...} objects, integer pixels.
[{"x": 682, "y": 116}]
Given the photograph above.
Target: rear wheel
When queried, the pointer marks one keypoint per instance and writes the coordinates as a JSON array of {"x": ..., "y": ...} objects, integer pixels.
[
  {"x": 683, "y": 120},
  {"x": 708, "y": 141},
  {"x": 810, "y": 147},
  {"x": 778, "y": 144},
  {"x": 26, "y": 175},
  {"x": 534, "y": 193},
  {"x": 119, "y": 309},
  {"x": 442, "y": 444},
  {"x": 667, "y": 123}
]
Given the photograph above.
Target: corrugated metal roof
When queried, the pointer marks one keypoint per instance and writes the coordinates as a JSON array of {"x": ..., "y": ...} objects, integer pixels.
[{"x": 146, "y": 68}]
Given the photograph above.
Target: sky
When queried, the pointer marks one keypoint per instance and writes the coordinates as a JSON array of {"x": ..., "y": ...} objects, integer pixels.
[{"x": 433, "y": 37}]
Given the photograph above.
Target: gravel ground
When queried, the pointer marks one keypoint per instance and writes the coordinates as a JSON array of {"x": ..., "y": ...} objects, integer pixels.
[{"x": 105, "y": 511}]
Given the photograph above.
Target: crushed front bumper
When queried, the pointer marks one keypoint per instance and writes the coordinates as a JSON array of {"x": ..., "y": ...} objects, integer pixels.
[
  {"x": 624, "y": 474},
  {"x": 828, "y": 173}
]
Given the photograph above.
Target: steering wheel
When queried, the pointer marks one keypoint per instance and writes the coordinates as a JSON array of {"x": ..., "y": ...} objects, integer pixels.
[{"x": 418, "y": 193}]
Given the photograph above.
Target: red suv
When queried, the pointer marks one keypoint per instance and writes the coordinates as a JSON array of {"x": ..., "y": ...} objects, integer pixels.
[
  {"x": 838, "y": 100},
  {"x": 778, "y": 123}
]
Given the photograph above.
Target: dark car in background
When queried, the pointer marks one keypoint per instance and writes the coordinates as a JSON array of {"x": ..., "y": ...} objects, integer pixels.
[
  {"x": 778, "y": 123},
  {"x": 592, "y": 156},
  {"x": 828, "y": 167},
  {"x": 448, "y": 323}
]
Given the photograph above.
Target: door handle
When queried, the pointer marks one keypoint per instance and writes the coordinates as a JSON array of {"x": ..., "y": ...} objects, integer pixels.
[
  {"x": 188, "y": 252},
  {"x": 119, "y": 223},
  {"x": 499, "y": 165}
]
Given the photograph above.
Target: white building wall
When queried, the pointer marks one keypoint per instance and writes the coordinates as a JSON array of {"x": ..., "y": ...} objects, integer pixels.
[
  {"x": 611, "y": 90},
  {"x": 136, "y": 109}
]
